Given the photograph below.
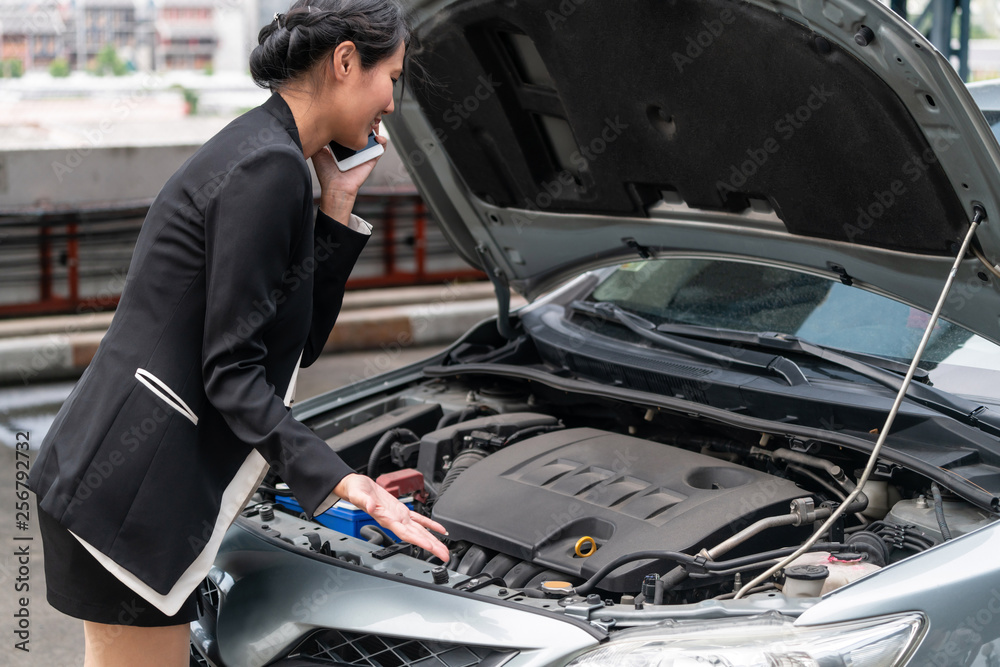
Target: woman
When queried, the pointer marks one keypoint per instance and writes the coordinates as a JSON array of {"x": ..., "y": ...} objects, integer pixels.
[{"x": 175, "y": 422}]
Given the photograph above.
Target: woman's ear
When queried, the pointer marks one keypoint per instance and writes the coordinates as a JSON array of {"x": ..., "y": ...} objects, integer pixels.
[{"x": 344, "y": 60}]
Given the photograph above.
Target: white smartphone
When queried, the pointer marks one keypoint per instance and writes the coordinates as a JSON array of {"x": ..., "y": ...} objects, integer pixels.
[{"x": 346, "y": 158}]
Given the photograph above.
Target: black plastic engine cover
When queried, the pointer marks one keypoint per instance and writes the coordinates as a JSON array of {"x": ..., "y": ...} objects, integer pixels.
[{"x": 536, "y": 498}]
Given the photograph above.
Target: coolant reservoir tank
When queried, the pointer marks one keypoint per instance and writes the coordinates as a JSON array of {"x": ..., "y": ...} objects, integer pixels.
[
  {"x": 960, "y": 516},
  {"x": 842, "y": 572}
]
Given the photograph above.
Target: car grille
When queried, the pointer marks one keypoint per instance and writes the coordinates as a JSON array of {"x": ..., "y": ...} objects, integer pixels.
[
  {"x": 209, "y": 597},
  {"x": 347, "y": 648},
  {"x": 197, "y": 659}
]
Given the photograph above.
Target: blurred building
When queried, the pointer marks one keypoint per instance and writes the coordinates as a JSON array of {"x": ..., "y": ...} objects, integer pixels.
[
  {"x": 185, "y": 34},
  {"x": 33, "y": 33},
  {"x": 102, "y": 22},
  {"x": 146, "y": 34}
]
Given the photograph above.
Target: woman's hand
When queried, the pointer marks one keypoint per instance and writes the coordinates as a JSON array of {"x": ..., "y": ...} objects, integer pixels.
[
  {"x": 408, "y": 525},
  {"x": 339, "y": 188}
]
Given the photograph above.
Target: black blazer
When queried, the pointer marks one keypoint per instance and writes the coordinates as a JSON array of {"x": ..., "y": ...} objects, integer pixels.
[{"x": 178, "y": 416}]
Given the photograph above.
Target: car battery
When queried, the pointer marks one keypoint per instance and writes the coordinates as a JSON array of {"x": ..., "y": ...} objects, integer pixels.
[{"x": 343, "y": 516}]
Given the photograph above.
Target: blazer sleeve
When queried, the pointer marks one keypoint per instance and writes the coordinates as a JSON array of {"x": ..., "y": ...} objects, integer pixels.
[
  {"x": 252, "y": 223},
  {"x": 336, "y": 251}
]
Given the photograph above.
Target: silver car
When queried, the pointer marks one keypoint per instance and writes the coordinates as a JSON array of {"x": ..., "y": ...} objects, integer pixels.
[{"x": 751, "y": 415}]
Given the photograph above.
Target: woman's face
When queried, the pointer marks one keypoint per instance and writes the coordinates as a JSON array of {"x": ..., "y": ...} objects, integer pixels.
[{"x": 364, "y": 96}]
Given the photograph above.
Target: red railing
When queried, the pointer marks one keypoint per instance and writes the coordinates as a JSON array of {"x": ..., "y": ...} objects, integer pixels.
[{"x": 75, "y": 260}]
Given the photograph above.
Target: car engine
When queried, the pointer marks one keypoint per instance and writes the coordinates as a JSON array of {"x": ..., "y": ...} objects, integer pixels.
[
  {"x": 533, "y": 502},
  {"x": 552, "y": 494}
]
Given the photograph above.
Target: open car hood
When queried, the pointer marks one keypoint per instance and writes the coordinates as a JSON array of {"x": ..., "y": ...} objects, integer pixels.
[{"x": 554, "y": 136}]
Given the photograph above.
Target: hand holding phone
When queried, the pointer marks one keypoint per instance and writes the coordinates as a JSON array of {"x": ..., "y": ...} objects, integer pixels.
[{"x": 347, "y": 158}]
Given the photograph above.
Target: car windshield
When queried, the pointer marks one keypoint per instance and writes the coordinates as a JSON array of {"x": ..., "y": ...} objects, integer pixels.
[{"x": 742, "y": 296}]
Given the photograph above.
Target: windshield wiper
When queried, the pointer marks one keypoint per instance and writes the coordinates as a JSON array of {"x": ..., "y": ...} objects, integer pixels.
[
  {"x": 868, "y": 365},
  {"x": 785, "y": 368},
  {"x": 886, "y": 372}
]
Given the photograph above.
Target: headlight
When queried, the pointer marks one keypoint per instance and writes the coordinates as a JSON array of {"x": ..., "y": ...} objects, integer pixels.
[{"x": 765, "y": 641}]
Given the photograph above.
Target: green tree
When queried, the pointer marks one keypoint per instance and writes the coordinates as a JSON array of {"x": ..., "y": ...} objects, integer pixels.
[
  {"x": 190, "y": 96},
  {"x": 11, "y": 68},
  {"x": 108, "y": 62},
  {"x": 59, "y": 68}
]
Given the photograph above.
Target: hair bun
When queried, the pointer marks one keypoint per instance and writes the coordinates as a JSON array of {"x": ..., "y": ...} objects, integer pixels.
[{"x": 294, "y": 41}]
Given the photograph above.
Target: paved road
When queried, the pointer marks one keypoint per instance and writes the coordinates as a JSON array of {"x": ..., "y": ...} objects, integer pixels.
[{"x": 56, "y": 640}]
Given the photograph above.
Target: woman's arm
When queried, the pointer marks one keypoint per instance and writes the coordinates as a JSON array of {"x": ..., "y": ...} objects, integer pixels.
[
  {"x": 339, "y": 190},
  {"x": 251, "y": 226},
  {"x": 336, "y": 250},
  {"x": 253, "y": 221}
]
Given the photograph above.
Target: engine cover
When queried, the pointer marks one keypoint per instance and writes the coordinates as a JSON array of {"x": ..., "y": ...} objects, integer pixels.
[{"x": 534, "y": 499}]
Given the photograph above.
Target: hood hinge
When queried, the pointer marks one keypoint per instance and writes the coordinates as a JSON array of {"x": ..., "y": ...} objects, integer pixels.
[
  {"x": 644, "y": 251},
  {"x": 842, "y": 272},
  {"x": 502, "y": 289}
]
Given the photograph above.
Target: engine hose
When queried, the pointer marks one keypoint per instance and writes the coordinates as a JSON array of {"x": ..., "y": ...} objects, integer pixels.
[
  {"x": 757, "y": 565},
  {"x": 375, "y": 535},
  {"x": 840, "y": 496},
  {"x": 860, "y": 504},
  {"x": 474, "y": 560},
  {"x": 755, "y": 589},
  {"x": 387, "y": 439},
  {"x": 447, "y": 420},
  {"x": 685, "y": 559},
  {"x": 465, "y": 460},
  {"x": 915, "y": 545},
  {"x": 460, "y": 416},
  {"x": 753, "y": 559},
  {"x": 499, "y": 566},
  {"x": 677, "y": 575},
  {"x": 832, "y": 469},
  {"x": 899, "y": 540},
  {"x": 531, "y": 592},
  {"x": 939, "y": 511},
  {"x": 522, "y": 573}
]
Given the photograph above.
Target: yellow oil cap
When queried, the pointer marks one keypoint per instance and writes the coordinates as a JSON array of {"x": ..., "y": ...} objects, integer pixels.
[{"x": 583, "y": 542}]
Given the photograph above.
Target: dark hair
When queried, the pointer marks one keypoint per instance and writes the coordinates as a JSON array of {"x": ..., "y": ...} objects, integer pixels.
[{"x": 295, "y": 41}]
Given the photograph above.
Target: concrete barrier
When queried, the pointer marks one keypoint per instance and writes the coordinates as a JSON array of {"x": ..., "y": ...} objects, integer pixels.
[{"x": 44, "y": 348}]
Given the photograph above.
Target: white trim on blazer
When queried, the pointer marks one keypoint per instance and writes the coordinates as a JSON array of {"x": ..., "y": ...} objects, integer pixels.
[{"x": 234, "y": 499}]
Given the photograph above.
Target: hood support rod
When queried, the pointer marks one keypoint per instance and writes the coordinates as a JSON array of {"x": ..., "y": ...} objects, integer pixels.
[
  {"x": 502, "y": 289},
  {"x": 979, "y": 215}
]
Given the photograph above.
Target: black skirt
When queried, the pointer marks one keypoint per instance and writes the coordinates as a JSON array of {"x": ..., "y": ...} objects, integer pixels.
[{"x": 79, "y": 586}]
